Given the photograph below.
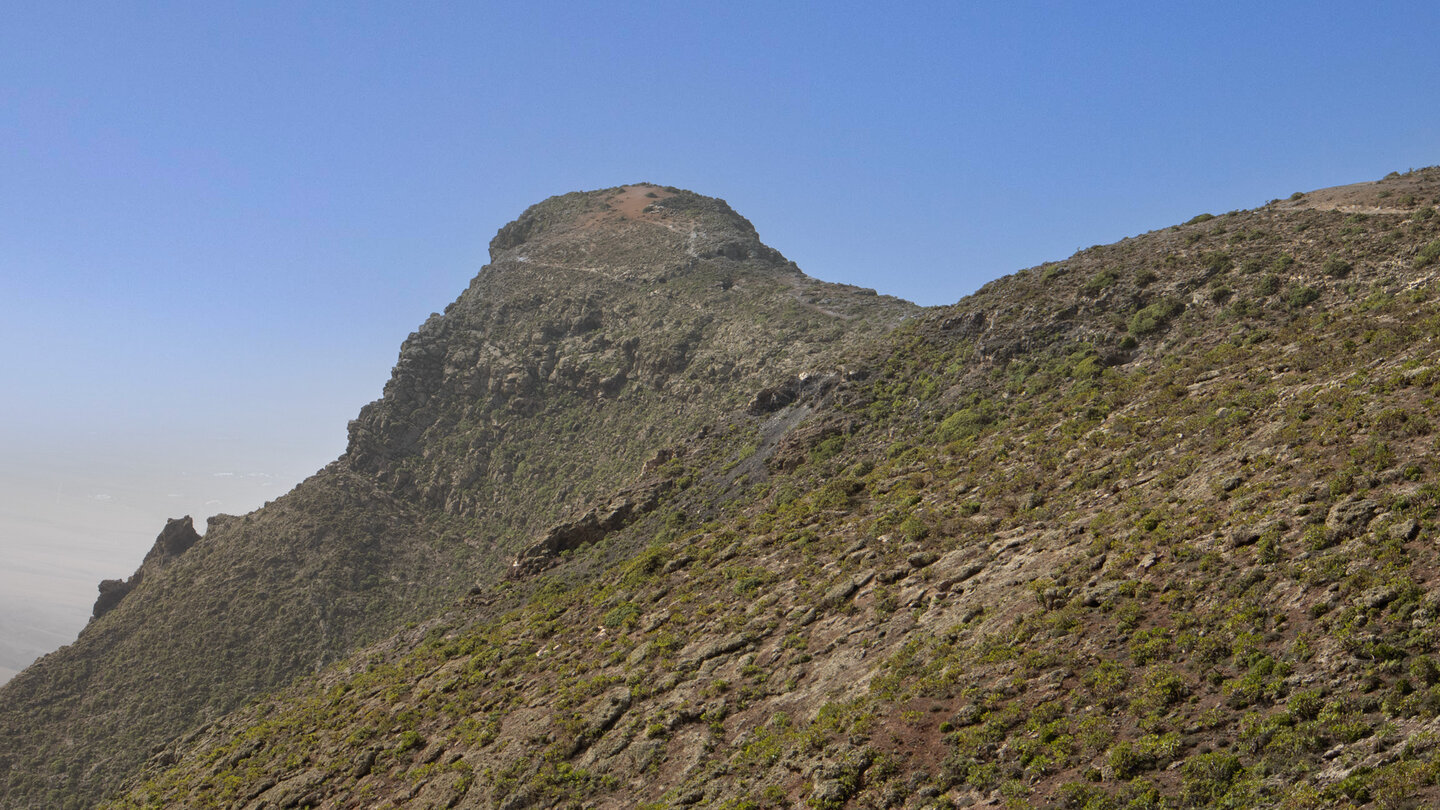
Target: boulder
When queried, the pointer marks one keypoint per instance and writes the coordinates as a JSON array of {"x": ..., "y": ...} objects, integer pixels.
[
  {"x": 1405, "y": 530},
  {"x": 1351, "y": 516}
]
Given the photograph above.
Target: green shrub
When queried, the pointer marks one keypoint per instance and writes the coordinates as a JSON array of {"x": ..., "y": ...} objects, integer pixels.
[
  {"x": 827, "y": 449},
  {"x": 1100, "y": 281},
  {"x": 1305, "y": 704},
  {"x": 1217, "y": 261},
  {"x": 1300, "y": 296},
  {"x": 1128, "y": 762},
  {"x": 1160, "y": 689},
  {"x": 913, "y": 528},
  {"x": 1206, "y": 778},
  {"x": 1428, "y": 255},
  {"x": 1396, "y": 784},
  {"x": 1129, "y": 759},
  {"x": 1336, "y": 267},
  {"x": 622, "y": 615},
  {"x": 409, "y": 740},
  {"x": 1107, "y": 681},
  {"x": 1424, "y": 670},
  {"x": 966, "y": 422},
  {"x": 1155, "y": 316}
]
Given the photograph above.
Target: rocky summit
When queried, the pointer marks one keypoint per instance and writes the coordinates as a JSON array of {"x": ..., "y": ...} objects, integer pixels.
[
  {"x": 650, "y": 518},
  {"x": 610, "y": 328}
]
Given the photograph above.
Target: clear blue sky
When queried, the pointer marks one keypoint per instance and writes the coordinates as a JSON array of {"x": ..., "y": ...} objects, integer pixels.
[{"x": 219, "y": 220}]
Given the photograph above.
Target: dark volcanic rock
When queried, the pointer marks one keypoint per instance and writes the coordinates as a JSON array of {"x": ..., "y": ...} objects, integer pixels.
[
  {"x": 773, "y": 398},
  {"x": 590, "y": 528},
  {"x": 175, "y": 539},
  {"x": 111, "y": 592}
]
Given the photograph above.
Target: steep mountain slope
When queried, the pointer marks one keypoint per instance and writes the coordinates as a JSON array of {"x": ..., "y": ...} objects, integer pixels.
[
  {"x": 1153, "y": 526},
  {"x": 607, "y": 330}
]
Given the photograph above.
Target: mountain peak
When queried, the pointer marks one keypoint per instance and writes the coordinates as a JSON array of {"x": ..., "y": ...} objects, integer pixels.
[
  {"x": 641, "y": 230},
  {"x": 636, "y": 290},
  {"x": 611, "y": 329}
]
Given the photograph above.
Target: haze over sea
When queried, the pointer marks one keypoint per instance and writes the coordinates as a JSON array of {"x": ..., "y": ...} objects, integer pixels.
[{"x": 72, "y": 516}]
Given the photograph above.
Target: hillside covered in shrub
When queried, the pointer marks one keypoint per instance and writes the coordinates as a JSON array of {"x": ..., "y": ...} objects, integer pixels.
[{"x": 1153, "y": 526}]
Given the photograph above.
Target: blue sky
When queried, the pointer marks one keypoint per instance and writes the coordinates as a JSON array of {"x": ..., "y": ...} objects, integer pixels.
[{"x": 219, "y": 220}]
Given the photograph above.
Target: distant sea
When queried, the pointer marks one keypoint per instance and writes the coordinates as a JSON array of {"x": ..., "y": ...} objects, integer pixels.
[{"x": 64, "y": 528}]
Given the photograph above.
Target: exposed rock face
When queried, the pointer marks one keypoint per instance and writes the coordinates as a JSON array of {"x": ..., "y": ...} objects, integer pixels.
[
  {"x": 773, "y": 398},
  {"x": 1350, "y": 516},
  {"x": 175, "y": 539},
  {"x": 111, "y": 592},
  {"x": 588, "y": 529},
  {"x": 617, "y": 302}
]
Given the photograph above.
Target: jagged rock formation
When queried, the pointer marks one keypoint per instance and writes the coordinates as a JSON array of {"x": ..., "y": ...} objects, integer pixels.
[
  {"x": 608, "y": 326},
  {"x": 175, "y": 539},
  {"x": 111, "y": 592},
  {"x": 590, "y": 528}
]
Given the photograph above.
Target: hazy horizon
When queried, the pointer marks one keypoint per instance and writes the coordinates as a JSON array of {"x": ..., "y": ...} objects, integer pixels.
[{"x": 71, "y": 517}]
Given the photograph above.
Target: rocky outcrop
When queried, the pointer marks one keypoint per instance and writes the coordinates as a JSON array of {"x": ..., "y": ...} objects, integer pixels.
[
  {"x": 175, "y": 539},
  {"x": 774, "y": 397},
  {"x": 111, "y": 592},
  {"x": 1350, "y": 516},
  {"x": 805, "y": 387},
  {"x": 592, "y": 527}
]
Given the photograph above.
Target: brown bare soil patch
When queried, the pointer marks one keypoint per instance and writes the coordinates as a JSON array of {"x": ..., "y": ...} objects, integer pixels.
[{"x": 631, "y": 201}]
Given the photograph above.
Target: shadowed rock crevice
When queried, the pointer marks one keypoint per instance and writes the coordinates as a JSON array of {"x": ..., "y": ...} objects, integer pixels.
[{"x": 590, "y": 528}]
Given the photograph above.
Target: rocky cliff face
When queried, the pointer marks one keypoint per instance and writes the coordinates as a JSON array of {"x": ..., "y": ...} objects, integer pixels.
[
  {"x": 1149, "y": 527},
  {"x": 609, "y": 327},
  {"x": 649, "y": 309}
]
